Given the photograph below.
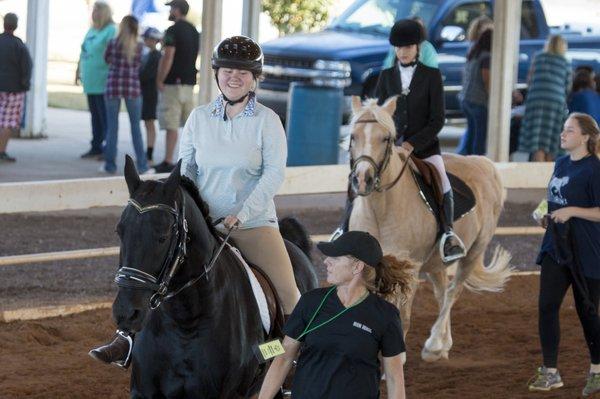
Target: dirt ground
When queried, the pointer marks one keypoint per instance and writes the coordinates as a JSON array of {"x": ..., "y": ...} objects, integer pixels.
[
  {"x": 495, "y": 351},
  {"x": 495, "y": 335}
]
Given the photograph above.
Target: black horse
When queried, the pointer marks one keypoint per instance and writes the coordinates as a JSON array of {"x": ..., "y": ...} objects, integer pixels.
[{"x": 191, "y": 306}]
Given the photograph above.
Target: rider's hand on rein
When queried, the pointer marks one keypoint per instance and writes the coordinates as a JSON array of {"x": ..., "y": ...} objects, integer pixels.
[{"x": 231, "y": 222}]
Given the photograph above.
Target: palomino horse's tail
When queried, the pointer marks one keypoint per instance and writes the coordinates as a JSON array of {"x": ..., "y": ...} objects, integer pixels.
[{"x": 493, "y": 277}]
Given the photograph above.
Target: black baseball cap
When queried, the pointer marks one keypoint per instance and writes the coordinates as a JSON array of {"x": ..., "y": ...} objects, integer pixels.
[
  {"x": 183, "y": 5},
  {"x": 359, "y": 244}
]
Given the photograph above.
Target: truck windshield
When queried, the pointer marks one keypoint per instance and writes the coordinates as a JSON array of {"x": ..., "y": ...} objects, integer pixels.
[{"x": 378, "y": 16}]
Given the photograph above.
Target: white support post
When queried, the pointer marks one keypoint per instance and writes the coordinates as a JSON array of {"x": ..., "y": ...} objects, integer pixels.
[
  {"x": 212, "y": 14},
  {"x": 37, "y": 43},
  {"x": 505, "y": 45},
  {"x": 250, "y": 18}
]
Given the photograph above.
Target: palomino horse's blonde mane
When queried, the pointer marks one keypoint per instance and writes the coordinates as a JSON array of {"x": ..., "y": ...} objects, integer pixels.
[{"x": 380, "y": 114}]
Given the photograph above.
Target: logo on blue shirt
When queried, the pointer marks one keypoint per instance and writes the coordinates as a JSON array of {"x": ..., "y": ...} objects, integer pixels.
[{"x": 555, "y": 190}]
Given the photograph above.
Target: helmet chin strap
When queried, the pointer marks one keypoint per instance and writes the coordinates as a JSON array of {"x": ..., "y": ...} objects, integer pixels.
[
  {"x": 227, "y": 100},
  {"x": 232, "y": 102}
]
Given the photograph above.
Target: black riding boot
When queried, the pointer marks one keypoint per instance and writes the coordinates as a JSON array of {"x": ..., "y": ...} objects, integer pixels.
[
  {"x": 451, "y": 247},
  {"x": 117, "y": 351}
]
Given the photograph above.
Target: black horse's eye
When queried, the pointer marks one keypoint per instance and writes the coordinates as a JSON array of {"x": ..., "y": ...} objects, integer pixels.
[
  {"x": 162, "y": 239},
  {"x": 386, "y": 139}
]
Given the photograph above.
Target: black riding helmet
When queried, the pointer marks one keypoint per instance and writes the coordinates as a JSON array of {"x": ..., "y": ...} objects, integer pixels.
[
  {"x": 406, "y": 32},
  {"x": 239, "y": 52}
]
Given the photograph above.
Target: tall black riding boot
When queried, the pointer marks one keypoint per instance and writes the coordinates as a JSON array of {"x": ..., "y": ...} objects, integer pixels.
[
  {"x": 117, "y": 351},
  {"x": 451, "y": 247}
]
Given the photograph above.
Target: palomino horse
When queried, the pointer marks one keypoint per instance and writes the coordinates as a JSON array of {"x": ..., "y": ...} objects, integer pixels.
[
  {"x": 389, "y": 206},
  {"x": 199, "y": 342}
]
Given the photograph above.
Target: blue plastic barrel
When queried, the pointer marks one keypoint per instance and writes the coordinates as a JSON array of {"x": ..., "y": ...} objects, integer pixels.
[{"x": 314, "y": 117}]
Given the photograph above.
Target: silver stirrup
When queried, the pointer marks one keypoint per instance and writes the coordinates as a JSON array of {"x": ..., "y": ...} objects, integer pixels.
[
  {"x": 338, "y": 232},
  {"x": 452, "y": 258},
  {"x": 125, "y": 363}
]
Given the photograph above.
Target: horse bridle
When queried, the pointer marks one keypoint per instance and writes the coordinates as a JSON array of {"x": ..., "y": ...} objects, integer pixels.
[
  {"x": 130, "y": 277},
  {"x": 379, "y": 169}
]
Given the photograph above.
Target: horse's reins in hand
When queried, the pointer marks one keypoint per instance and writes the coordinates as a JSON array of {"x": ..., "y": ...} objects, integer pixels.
[
  {"x": 207, "y": 268},
  {"x": 131, "y": 277}
]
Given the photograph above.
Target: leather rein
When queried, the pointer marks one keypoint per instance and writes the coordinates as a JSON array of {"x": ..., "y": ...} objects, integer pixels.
[
  {"x": 379, "y": 168},
  {"x": 130, "y": 277}
]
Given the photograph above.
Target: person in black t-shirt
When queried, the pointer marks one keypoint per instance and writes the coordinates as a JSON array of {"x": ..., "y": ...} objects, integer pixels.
[
  {"x": 148, "y": 70},
  {"x": 570, "y": 252},
  {"x": 340, "y": 331},
  {"x": 176, "y": 78}
]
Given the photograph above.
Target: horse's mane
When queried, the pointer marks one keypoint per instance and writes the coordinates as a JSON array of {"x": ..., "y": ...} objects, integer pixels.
[
  {"x": 190, "y": 187},
  {"x": 380, "y": 115}
]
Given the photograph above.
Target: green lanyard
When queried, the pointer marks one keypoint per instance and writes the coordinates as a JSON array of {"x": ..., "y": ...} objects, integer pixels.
[{"x": 308, "y": 329}]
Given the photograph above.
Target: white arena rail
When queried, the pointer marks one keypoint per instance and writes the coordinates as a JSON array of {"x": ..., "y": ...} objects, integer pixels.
[{"x": 58, "y": 195}]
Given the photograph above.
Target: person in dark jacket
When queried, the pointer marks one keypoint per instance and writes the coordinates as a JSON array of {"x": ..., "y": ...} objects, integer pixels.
[
  {"x": 419, "y": 115},
  {"x": 148, "y": 71},
  {"x": 474, "y": 96},
  {"x": 15, "y": 76}
]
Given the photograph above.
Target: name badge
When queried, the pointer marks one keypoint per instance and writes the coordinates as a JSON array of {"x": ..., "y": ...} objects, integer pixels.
[{"x": 269, "y": 350}]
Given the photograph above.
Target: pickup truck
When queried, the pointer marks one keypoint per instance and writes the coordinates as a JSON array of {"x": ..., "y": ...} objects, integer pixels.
[{"x": 349, "y": 52}]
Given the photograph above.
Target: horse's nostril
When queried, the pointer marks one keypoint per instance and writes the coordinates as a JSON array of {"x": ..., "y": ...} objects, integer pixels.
[{"x": 368, "y": 180}]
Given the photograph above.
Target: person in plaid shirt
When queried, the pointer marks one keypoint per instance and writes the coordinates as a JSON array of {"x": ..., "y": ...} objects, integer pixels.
[
  {"x": 15, "y": 76},
  {"x": 123, "y": 55}
]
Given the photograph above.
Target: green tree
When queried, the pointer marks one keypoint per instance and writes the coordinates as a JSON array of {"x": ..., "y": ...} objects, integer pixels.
[{"x": 290, "y": 16}]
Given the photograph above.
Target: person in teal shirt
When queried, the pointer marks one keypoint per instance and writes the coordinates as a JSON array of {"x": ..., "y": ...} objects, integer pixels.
[
  {"x": 92, "y": 71},
  {"x": 427, "y": 53}
]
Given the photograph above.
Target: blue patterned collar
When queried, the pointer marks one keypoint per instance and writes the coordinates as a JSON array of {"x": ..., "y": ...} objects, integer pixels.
[{"x": 218, "y": 106}]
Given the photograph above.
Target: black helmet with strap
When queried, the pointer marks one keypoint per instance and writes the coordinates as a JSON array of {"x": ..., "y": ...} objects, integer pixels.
[
  {"x": 239, "y": 52},
  {"x": 406, "y": 32}
]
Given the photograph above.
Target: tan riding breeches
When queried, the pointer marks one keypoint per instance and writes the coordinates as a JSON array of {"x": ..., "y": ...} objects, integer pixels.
[{"x": 264, "y": 247}]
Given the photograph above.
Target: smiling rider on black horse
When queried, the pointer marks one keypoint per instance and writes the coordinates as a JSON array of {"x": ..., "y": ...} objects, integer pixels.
[{"x": 235, "y": 150}]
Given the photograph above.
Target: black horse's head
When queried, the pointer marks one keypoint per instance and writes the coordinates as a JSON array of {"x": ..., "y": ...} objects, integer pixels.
[{"x": 153, "y": 233}]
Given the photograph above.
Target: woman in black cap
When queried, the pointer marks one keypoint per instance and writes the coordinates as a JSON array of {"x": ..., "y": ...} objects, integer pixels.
[
  {"x": 419, "y": 115},
  {"x": 341, "y": 330}
]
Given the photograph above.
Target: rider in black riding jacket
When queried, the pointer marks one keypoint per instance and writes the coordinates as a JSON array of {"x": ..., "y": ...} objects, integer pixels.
[{"x": 419, "y": 116}]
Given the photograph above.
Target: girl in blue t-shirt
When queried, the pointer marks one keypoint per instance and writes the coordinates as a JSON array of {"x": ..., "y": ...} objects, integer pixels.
[{"x": 570, "y": 252}]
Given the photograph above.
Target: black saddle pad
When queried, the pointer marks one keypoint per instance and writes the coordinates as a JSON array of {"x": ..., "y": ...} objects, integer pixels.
[{"x": 464, "y": 199}]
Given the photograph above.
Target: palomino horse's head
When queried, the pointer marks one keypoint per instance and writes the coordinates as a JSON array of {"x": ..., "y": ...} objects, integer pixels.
[
  {"x": 371, "y": 143},
  {"x": 153, "y": 234}
]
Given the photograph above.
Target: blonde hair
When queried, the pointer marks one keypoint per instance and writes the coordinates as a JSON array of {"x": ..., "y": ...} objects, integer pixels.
[
  {"x": 127, "y": 37},
  {"x": 589, "y": 127},
  {"x": 391, "y": 278},
  {"x": 478, "y": 26},
  {"x": 556, "y": 45},
  {"x": 103, "y": 15}
]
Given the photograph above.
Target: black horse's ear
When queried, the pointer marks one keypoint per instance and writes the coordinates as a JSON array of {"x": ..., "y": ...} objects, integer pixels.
[
  {"x": 132, "y": 178},
  {"x": 174, "y": 179}
]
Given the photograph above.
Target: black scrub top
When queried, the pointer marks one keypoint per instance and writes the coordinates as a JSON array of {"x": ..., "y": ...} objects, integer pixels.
[{"x": 340, "y": 359}]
